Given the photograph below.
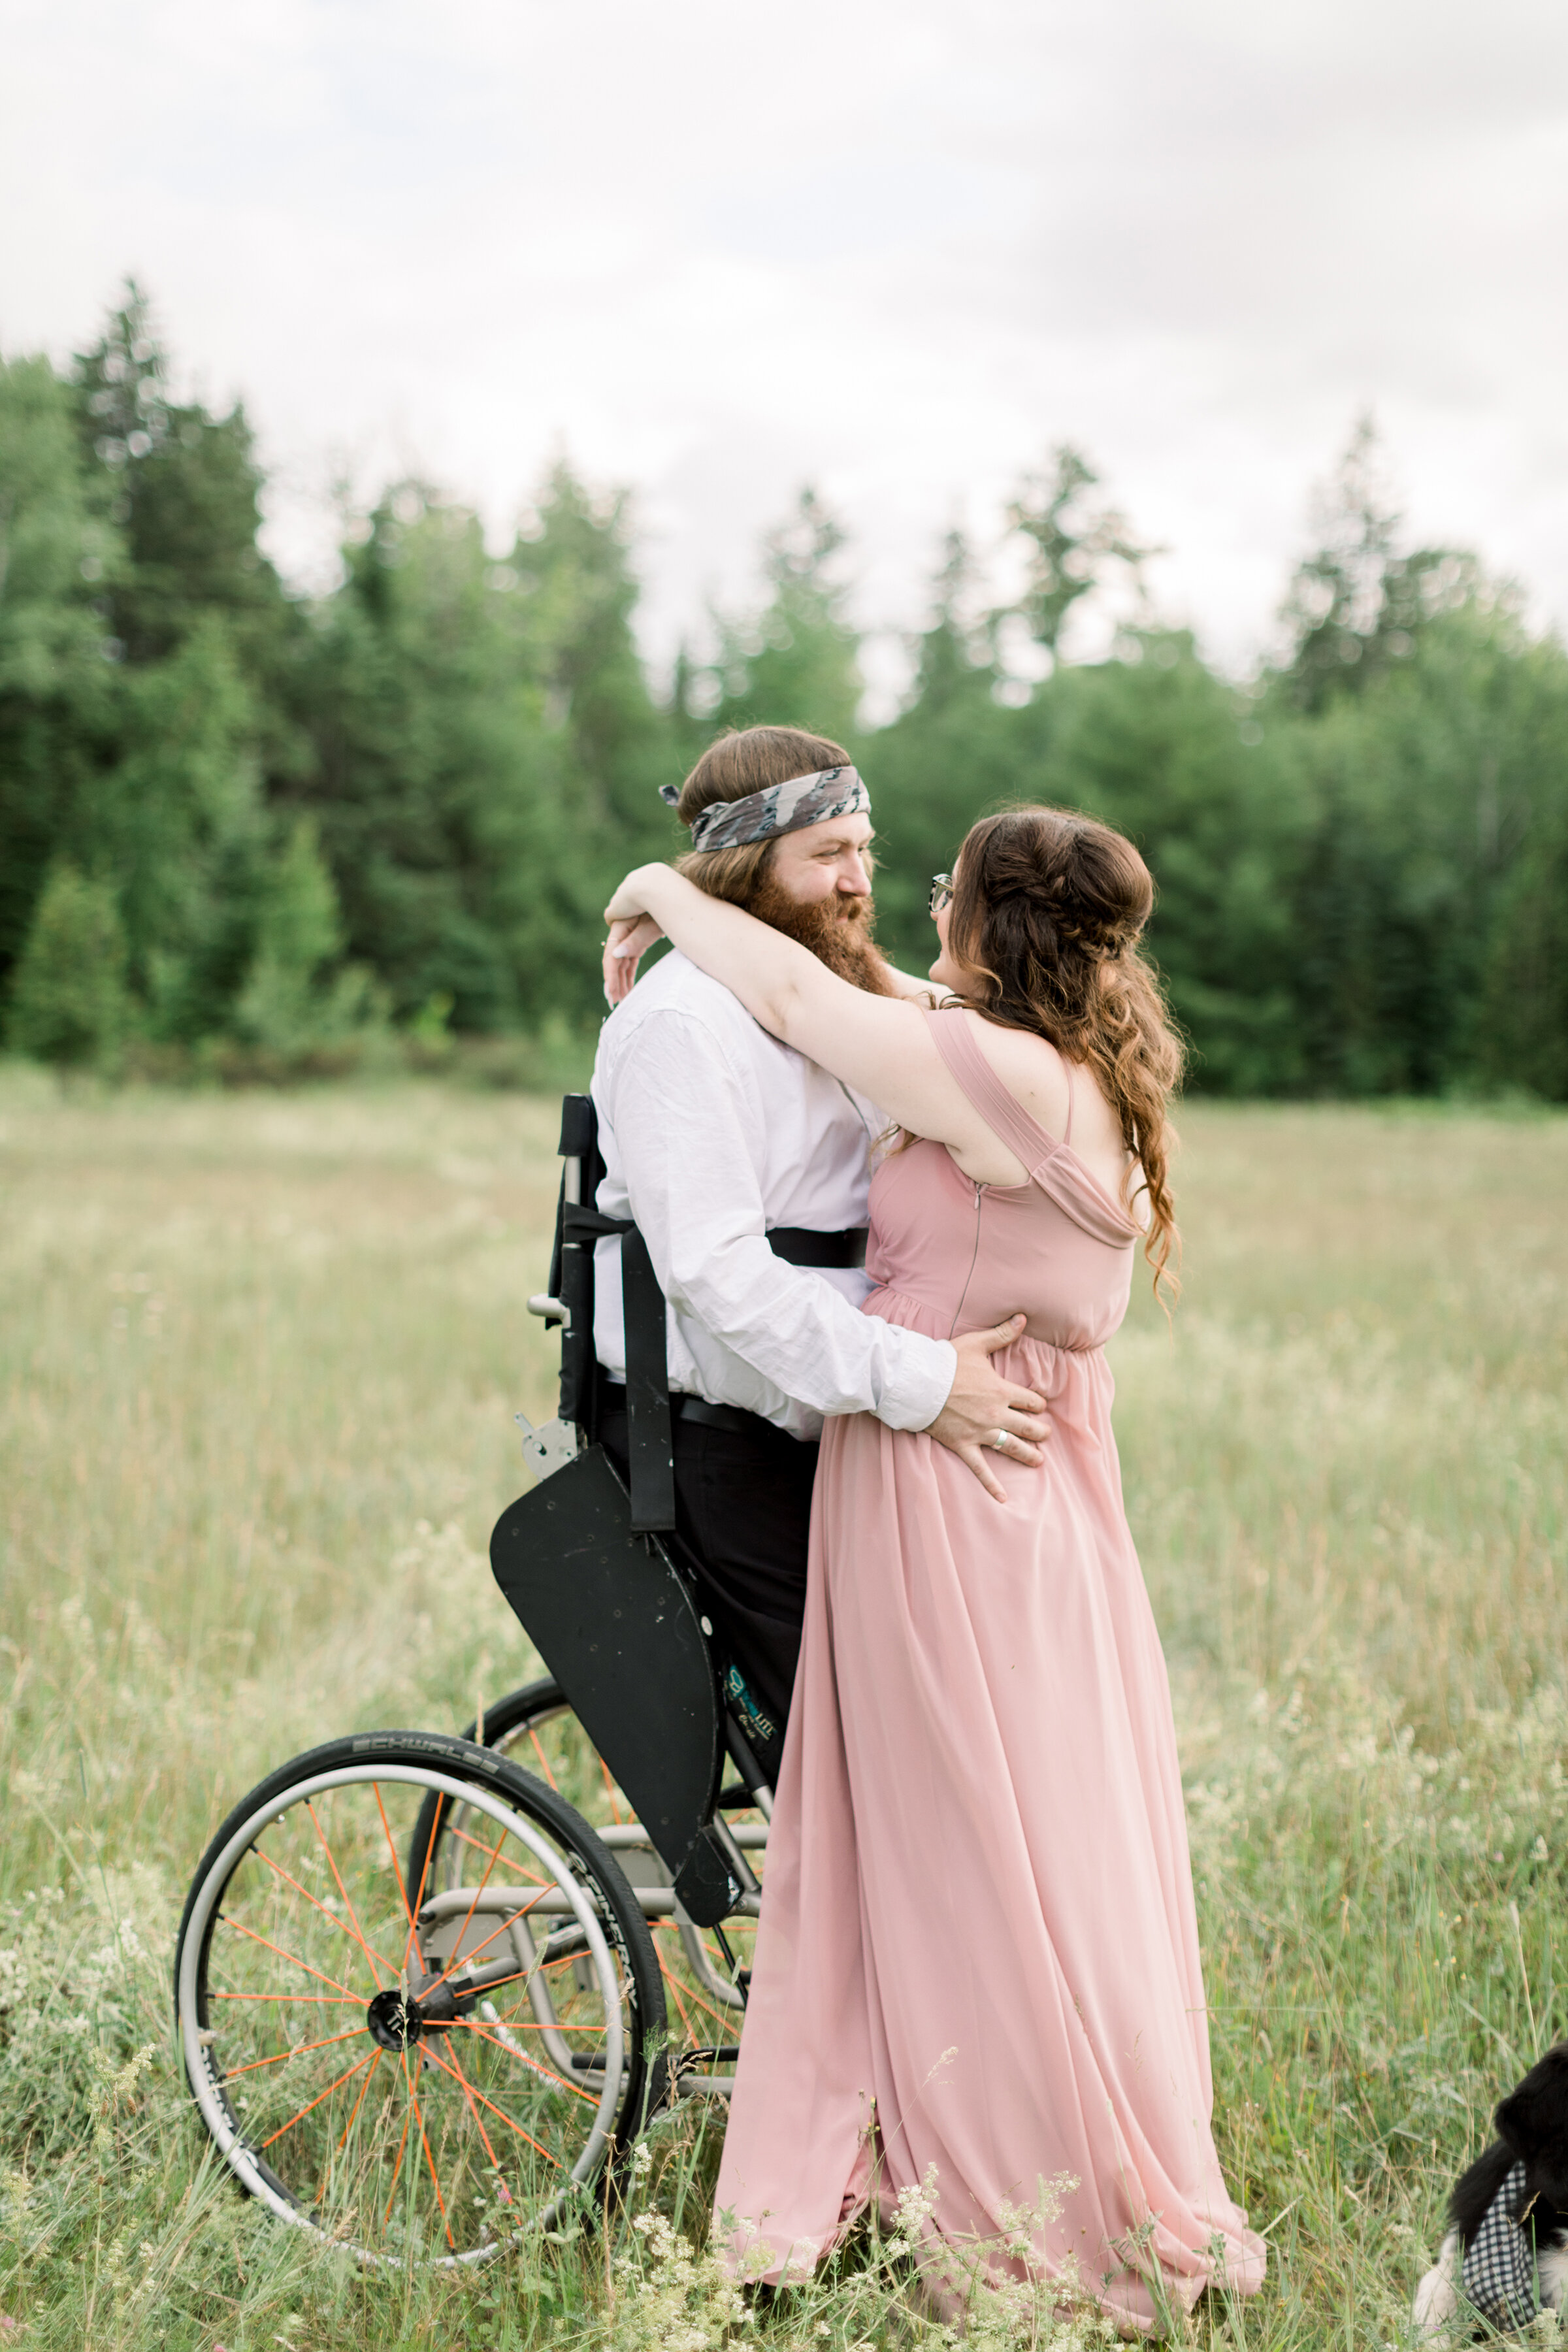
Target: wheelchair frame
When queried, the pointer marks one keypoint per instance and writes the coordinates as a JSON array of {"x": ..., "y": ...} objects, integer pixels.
[{"x": 556, "y": 1925}]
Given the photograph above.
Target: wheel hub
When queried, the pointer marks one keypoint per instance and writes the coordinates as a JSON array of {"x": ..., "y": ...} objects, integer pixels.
[{"x": 393, "y": 2020}]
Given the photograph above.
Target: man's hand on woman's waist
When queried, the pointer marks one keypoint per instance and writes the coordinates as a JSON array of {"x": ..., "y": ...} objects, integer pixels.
[{"x": 982, "y": 1407}]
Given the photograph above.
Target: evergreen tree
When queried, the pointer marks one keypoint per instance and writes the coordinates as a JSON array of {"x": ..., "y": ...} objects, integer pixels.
[
  {"x": 1358, "y": 604},
  {"x": 797, "y": 664},
  {"x": 487, "y": 753},
  {"x": 69, "y": 1002},
  {"x": 1154, "y": 746},
  {"x": 186, "y": 498},
  {"x": 59, "y": 553},
  {"x": 1077, "y": 544},
  {"x": 291, "y": 1001},
  {"x": 951, "y": 754},
  {"x": 1423, "y": 788},
  {"x": 226, "y": 815},
  {"x": 1522, "y": 1034}
]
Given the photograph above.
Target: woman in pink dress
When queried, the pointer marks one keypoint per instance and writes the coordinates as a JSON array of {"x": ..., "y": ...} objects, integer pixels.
[{"x": 978, "y": 1946}]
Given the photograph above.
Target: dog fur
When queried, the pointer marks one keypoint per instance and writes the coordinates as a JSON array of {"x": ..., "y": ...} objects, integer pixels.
[{"x": 1533, "y": 2129}]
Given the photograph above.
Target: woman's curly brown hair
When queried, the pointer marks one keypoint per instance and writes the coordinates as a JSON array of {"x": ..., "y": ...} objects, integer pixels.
[{"x": 1049, "y": 908}]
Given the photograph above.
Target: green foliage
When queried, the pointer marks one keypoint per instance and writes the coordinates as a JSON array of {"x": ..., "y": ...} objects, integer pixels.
[
  {"x": 69, "y": 1004},
  {"x": 287, "y": 1003},
  {"x": 796, "y": 663},
  {"x": 1523, "y": 1034},
  {"x": 1154, "y": 747},
  {"x": 1357, "y": 605},
  {"x": 417, "y": 791},
  {"x": 1074, "y": 540},
  {"x": 487, "y": 755},
  {"x": 186, "y": 495},
  {"x": 58, "y": 551}
]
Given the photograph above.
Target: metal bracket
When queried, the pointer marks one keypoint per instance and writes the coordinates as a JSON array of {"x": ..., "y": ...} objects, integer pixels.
[{"x": 549, "y": 1448}]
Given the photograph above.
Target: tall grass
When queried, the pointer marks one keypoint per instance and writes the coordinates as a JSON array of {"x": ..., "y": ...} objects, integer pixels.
[{"x": 257, "y": 1360}]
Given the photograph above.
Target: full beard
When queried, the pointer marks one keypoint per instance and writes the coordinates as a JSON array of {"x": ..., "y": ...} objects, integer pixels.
[{"x": 836, "y": 929}]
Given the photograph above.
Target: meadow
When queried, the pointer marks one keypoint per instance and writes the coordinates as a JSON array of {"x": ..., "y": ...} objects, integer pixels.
[{"x": 258, "y": 1359}]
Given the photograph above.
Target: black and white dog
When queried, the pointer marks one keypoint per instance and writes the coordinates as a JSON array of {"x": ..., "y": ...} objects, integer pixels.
[{"x": 1506, "y": 2253}]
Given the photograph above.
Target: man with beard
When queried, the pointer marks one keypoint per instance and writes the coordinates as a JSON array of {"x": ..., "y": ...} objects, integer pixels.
[{"x": 746, "y": 1168}]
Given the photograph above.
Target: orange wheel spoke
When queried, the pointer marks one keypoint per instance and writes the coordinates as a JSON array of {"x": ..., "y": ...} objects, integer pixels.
[
  {"x": 544, "y": 1760},
  {"x": 456, "y": 2067},
  {"x": 699, "y": 2000},
  {"x": 467, "y": 1837},
  {"x": 391, "y": 1850},
  {"x": 294, "y": 1961},
  {"x": 419, "y": 1897},
  {"x": 466, "y": 1958},
  {"x": 517, "y": 1976},
  {"x": 343, "y": 1890},
  {"x": 534, "y": 2065},
  {"x": 324, "y": 1999},
  {"x": 425, "y": 2144},
  {"x": 254, "y": 2064},
  {"x": 516, "y": 2024},
  {"x": 398, "y": 2167},
  {"x": 367, "y": 2060},
  {"x": 518, "y": 2128},
  {"x": 352, "y": 1933},
  {"x": 674, "y": 1989},
  {"x": 343, "y": 2136}
]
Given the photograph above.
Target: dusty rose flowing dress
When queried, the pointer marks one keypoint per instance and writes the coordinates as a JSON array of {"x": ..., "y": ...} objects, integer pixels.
[{"x": 978, "y": 1946}]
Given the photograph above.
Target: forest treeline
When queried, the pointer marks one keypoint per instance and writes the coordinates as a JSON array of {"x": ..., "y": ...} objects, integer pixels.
[{"x": 259, "y": 832}]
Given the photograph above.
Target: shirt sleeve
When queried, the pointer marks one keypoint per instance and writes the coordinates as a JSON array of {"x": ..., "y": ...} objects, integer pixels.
[{"x": 684, "y": 1130}]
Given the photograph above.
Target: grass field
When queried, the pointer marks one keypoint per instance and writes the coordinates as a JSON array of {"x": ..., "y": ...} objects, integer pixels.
[{"x": 259, "y": 1360}]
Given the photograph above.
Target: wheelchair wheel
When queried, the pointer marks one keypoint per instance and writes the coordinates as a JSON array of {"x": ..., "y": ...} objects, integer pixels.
[
  {"x": 703, "y": 1998},
  {"x": 421, "y": 2066}
]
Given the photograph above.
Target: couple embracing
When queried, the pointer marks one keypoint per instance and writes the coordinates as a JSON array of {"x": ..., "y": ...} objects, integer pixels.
[{"x": 978, "y": 1946}]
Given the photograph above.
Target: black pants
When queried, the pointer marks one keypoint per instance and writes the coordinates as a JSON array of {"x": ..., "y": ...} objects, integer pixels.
[{"x": 742, "y": 1506}]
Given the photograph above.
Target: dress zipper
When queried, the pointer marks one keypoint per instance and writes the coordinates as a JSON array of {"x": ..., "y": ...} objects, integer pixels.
[{"x": 973, "y": 1258}]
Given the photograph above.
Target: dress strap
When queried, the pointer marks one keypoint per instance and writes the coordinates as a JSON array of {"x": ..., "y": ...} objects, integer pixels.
[
  {"x": 1067, "y": 1131},
  {"x": 1003, "y": 1112}
]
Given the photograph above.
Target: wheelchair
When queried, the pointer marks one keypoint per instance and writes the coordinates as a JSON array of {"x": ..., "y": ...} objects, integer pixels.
[{"x": 429, "y": 1988}]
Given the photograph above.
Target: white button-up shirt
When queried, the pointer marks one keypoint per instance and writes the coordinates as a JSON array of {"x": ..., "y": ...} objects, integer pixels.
[{"x": 712, "y": 1131}]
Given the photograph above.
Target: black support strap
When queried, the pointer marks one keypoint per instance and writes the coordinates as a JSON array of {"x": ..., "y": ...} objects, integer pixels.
[
  {"x": 803, "y": 1246},
  {"x": 649, "y": 1451}
]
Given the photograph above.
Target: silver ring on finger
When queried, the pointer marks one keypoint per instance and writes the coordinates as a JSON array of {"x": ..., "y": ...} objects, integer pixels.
[{"x": 1000, "y": 1441}]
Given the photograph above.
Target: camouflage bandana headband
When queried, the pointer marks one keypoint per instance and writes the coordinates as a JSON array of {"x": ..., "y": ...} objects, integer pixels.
[{"x": 780, "y": 808}]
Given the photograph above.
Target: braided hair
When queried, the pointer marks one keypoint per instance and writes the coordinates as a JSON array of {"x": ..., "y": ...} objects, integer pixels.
[{"x": 1049, "y": 908}]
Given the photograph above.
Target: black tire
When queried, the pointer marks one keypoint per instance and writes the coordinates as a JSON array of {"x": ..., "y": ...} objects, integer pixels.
[
  {"x": 507, "y": 1727},
  {"x": 302, "y": 1919}
]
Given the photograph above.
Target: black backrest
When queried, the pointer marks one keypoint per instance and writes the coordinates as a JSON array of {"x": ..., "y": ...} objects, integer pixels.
[
  {"x": 597, "y": 1593},
  {"x": 615, "y": 1623}
]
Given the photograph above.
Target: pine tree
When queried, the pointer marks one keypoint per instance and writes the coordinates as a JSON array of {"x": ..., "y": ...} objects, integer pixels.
[
  {"x": 1358, "y": 603},
  {"x": 186, "y": 497},
  {"x": 1077, "y": 545},
  {"x": 68, "y": 999},
  {"x": 797, "y": 664},
  {"x": 291, "y": 1001},
  {"x": 60, "y": 695}
]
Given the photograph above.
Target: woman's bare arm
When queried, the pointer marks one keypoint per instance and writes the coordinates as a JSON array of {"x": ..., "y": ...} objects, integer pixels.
[{"x": 878, "y": 1045}]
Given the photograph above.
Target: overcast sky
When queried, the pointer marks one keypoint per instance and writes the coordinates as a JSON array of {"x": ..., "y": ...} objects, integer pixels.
[{"x": 895, "y": 247}]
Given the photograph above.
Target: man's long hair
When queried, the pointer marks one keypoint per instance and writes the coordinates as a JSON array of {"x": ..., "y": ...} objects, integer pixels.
[{"x": 747, "y": 761}]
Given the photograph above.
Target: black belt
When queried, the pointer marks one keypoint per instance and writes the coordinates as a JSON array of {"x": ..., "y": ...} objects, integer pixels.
[
  {"x": 803, "y": 1246},
  {"x": 695, "y": 1409}
]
